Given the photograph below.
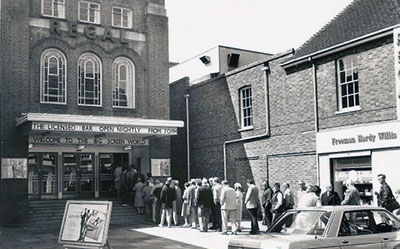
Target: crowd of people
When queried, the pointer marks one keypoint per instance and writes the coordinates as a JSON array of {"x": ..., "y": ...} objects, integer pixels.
[{"x": 212, "y": 201}]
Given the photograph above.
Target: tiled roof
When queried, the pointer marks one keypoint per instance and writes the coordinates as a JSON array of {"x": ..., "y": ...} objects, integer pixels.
[{"x": 358, "y": 19}]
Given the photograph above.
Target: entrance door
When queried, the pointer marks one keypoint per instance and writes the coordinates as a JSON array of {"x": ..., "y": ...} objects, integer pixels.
[
  {"x": 108, "y": 163},
  {"x": 78, "y": 174},
  {"x": 42, "y": 175}
]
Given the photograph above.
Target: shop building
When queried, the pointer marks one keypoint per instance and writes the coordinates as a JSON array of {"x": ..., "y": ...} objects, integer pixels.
[
  {"x": 84, "y": 88},
  {"x": 355, "y": 74},
  {"x": 325, "y": 114}
]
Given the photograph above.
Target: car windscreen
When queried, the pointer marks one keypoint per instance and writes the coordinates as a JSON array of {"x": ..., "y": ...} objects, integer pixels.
[{"x": 308, "y": 222}]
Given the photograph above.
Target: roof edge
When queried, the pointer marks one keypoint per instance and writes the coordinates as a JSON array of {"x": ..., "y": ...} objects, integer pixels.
[{"x": 341, "y": 46}]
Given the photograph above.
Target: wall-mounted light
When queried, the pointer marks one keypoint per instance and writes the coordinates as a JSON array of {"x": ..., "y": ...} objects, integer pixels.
[{"x": 205, "y": 59}]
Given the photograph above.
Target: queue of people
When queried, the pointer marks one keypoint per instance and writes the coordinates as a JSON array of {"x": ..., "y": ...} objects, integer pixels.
[{"x": 205, "y": 201}]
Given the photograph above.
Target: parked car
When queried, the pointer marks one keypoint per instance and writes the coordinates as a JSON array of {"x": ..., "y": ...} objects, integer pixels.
[{"x": 328, "y": 227}]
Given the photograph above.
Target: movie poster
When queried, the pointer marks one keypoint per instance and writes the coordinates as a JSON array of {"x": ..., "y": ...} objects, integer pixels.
[
  {"x": 161, "y": 167},
  {"x": 14, "y": 168},
  {"x": 85, "y": 222}
]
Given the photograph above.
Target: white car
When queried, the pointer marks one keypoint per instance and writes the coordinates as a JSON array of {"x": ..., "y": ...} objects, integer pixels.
[{"x": 328, "y": 227}]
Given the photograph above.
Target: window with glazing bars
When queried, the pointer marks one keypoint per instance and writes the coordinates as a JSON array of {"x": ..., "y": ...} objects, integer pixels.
[
  {"x": 121, "y": 17},
  {"x": 349, "y": 95},
  {"x": 246, "y": 107},
  {"x": 89, "y": 80},
  {"x": 123, "y": 83},
  {"x": 53, "y": 77},
  {"x": 89, "y": 12},
  {"x": 53, "y": 8}
]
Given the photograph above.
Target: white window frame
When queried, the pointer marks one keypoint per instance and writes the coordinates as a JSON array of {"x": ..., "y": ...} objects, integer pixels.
[
  {"x": 96, "y": 12},
  {"x": 129, "y": 17},
  {"x": 348, "y": 72},
  {"x": 62, "y": 90},
  {"x": 130, "y": 82},
  {"x": 83, "y": 59},
  {"x": 53, "y": 5},
  {"x": 243, "y": 108}
]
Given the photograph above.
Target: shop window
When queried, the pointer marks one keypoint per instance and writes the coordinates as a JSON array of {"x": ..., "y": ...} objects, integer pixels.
[
  {"x": 53, "y": 8},
  {"x": 121, "y": 17},
  {"x": 89, "y": 80},
  {"x": 246, "y": 107},
  {"x": 89, "y": 12},
  {"x": 348, "y": 88},
  {"x": 53, "y": 77},
  {"x": 123, "y": 83}
]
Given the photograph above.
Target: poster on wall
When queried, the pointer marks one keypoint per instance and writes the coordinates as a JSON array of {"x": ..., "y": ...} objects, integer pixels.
[
  {"x": 161, "y": 167},
  {"x": 12, "y": 168},
  {"x": 85, "y": 224}
]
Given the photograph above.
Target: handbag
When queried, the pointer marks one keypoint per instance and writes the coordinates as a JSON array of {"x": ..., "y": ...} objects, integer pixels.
[{"x": 391, "y": 205}]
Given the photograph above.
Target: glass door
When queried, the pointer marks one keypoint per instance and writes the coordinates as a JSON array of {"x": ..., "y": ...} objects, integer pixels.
[
  {"x": 78, "y": 174},
  {"x": 42, "y": 175}
]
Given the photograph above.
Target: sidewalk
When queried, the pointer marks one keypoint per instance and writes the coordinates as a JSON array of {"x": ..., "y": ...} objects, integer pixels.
[{"x": 210, "y": 240}]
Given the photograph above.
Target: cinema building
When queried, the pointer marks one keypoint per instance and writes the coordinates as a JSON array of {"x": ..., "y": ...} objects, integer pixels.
[
  {"x": 327, "y": 113},
  {"x": 84, "y": 88}
]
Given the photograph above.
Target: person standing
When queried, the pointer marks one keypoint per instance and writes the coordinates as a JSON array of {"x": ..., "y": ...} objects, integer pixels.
[
  {"x": 192, "y": 203},
  {"x": 277, "y": 206},
  {"x": 352, "y": 196},
  {"x": 217, "y": 196},
  {"x": 204, "y": 202},
  {"x": 302, "y": 190},
  {"x": 139, "y": 200},
  {"x": 252, "y": 203},
  {"x": 310, "y": 199},
  {"x": 117, "y": 180},
  {"x": 266, "y": 202},
  {"x": 239, "y": 205},
  {"x": 212, "y": 215},
  {"x": 168, "y": 196},
  {"x": 148, "y": 199},
  {"x": 288, "y": 199},
  {"x": 385, "y": 196},
  {"x": 178, "y": 202},
  {"x": 330, "y": 197},
  {"x": 157, "y": 201},
  {"x": 228, "y": 207},
  {"x": 185, "y": 205}
]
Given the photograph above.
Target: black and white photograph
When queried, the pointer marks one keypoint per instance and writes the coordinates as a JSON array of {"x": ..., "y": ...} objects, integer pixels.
[{"x": 217, "y": 124}]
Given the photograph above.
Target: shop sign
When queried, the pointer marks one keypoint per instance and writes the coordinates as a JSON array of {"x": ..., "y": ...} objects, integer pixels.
[
  {"x": 14, "y": 168},
  {"x": 98, "y": 128},
  {"x": 86, "y": 140},
  {"x": 396, "y": 43},
  {"x": 385, "y": 135},
  {"x": 85, "y": 224}
]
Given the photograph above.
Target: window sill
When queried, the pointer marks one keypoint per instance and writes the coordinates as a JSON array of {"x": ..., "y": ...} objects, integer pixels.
[
  {"x": 90, "y": 106},
  {"x": 123, "y": 108},
  {"x": 349, "y": 110},
  {"x": 89, "y": 23},
  {"x": 53, "y": 17},
  {"x": 249, "y": 128},
  {"x": 53, "y": 103}
]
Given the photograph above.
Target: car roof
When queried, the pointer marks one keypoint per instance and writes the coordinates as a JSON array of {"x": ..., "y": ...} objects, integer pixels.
[{"x": 339, "y": 208}]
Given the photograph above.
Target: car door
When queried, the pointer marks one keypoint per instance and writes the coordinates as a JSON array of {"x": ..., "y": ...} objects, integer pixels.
[
  {"x": 388, "y": 227},
  {"x": 357, "y": 231}
]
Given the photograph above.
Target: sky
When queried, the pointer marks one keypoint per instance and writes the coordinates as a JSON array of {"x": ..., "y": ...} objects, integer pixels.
[{"x": 270, "y": 26}]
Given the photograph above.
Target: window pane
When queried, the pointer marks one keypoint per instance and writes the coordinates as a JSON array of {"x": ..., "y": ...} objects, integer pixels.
[
  {"x": 53, "y": 63},
  {"x": 357, "y": 100},
  {"x": 344, "y": 102},
  {"x": 351, "y": 88},
  {"x": 47, "y": 7},
  {"x": 342, "y": 77},
  {"x": 356, "y": 87},
  {"x": 341, "y": 65},
  {"x": 122, "y": 72},
  {"x": 351, "y": 101}
]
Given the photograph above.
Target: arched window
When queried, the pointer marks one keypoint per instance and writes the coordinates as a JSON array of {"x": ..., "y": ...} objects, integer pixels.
[
  {"x": 123, "y": 83},
  {"x": 89, "y": 80},
  {"x": 53, "y": 77}
]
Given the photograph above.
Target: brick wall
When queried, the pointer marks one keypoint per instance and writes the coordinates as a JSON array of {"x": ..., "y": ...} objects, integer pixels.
[{"x": 376, "y": 84}]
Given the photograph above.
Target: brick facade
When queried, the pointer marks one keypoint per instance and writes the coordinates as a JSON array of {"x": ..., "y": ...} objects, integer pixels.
[{"x": 22, "y": 43}]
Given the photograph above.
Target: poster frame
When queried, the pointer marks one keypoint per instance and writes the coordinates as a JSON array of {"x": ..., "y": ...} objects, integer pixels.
[{"x": 78, "y": 244}]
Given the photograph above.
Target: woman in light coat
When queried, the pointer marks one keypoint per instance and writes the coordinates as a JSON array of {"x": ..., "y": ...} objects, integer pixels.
[{"x": 239, "y": 205}]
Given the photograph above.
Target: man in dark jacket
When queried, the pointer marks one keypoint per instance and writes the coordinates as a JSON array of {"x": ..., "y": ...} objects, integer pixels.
[
  {"x": 266, "y": 202},
  {"x": 204, "y": 203},
  {"x": 168, "y": 196},
  {"x": 385, "y": 196},
  {"x": 330, "y": 197}
]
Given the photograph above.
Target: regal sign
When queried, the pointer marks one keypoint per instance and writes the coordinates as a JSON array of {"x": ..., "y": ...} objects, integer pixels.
[{"x": 89, "y": 31}]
